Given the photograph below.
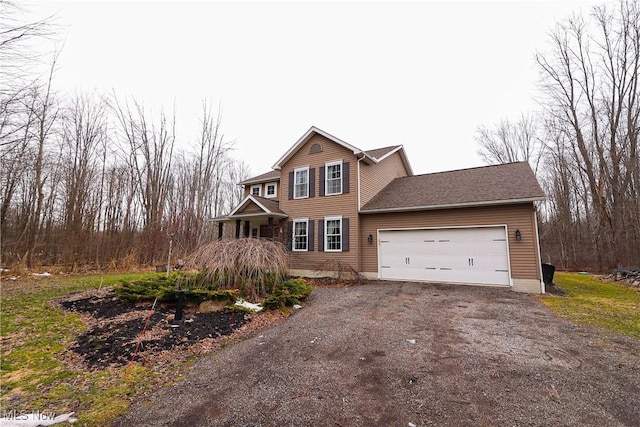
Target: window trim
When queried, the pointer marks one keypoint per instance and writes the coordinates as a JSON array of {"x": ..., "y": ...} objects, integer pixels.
[
  {"x": 326, "y": 177},
  {"x": 295, "y": 172},
  {"x": 275, "y": 190},
  {"x": 293, "y": 237},
  {"x": 326, "y": 234},
  {"x": 259, "y": 187}
]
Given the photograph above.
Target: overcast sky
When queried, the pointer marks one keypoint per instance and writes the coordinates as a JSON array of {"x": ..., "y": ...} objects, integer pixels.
[{"x": 422, "y": 74}]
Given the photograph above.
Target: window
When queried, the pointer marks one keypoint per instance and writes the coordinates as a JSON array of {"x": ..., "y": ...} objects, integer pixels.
[
  {"x": 333, "y": 234},
  {"x": 254, "y": 233},
  {"x": 334, "y": 178},
  {"x": 315, "y": 148},
  {"x": 255, "y": 190},
  {"x": 271, "y": 190},
  {"x": 300, "y": 234},
  {"x": 301, "y": 183}
]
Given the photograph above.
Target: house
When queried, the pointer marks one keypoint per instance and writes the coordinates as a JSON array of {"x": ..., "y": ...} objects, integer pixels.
[{"x": 335, "y": 204}]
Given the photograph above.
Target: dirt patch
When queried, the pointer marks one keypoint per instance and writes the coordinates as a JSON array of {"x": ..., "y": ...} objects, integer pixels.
[
  {"x": 399, "y": 353},
  {"x": 115, "y": 326}
]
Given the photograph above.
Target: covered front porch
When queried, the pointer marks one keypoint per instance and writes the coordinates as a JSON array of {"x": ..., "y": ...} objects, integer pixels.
[{"x": 254, "y": 217}]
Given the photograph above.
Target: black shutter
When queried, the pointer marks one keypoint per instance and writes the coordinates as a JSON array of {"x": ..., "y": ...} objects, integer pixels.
[
  {"x": 321, "y": 185},
  {"x": 312, "y": 182},
  {"x": 345, "y": 234},
  {"x": 289, "y": 235},
  {"x": 310, "y": 232},
  {"x": 290, "y": 185},
  {"x": 321, "y": 235},
  {"x": 345, "y": 177}
]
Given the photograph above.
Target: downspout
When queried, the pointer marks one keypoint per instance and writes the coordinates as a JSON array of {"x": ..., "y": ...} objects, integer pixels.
[
  {"x": 359, "y": 260},
  {"x": 535, "y": 220},
  {"x": 358, "y": 173}
]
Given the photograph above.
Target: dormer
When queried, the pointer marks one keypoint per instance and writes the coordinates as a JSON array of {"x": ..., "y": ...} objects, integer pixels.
[{"x": 265, "y": 185}]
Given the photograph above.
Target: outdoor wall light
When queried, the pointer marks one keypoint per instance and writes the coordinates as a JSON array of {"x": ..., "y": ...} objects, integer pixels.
[
  {"x": 370, "y": 239},
  {"x": 518, "y": 235}
]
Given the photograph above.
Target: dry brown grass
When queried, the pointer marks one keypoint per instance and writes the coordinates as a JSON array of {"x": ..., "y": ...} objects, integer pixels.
[{"x": 251, "y": 265}]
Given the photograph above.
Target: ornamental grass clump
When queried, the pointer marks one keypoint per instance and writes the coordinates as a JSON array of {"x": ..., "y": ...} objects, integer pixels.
[{"x": 253, "y": 266}]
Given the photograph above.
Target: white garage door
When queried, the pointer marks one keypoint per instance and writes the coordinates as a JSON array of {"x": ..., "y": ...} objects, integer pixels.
[{"x": 458, "y": 255}]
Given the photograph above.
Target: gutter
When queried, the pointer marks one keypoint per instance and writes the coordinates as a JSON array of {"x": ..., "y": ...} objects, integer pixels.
[{"x": 452, "y": 205}]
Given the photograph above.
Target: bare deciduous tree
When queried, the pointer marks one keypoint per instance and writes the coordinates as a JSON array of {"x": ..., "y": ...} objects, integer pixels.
[
  {"x": 589, "y": 126},
  {"x": 512, "y": 142},
  {"x": 591, "y": 88}
]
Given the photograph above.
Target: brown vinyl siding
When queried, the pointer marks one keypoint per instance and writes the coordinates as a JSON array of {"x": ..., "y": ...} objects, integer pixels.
[
  {"x": 375, "y": 177},
  {"x": 250, "y": 208},
  {"x": 318, "y": 207},
  {"x": 523, "y": 255}
]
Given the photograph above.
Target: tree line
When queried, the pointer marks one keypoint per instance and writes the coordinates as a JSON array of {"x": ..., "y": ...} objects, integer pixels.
[
  {"x": 95, "y": 179},
  {"x": 98, "y": 179},
  {"x": 89, "y": 179},
  {"x": 583, "y": 142}
]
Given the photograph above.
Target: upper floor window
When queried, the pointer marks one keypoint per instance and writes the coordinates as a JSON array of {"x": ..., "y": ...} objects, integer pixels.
[
  {"x": 333, "y": 234},
  {"x": 333, "y": 175},
  {"x": 301, "y": 183},
  {"x": 255, "y": 190},
  {"x": 300, "y": 235},
  {"x": 271, "y": 190}
]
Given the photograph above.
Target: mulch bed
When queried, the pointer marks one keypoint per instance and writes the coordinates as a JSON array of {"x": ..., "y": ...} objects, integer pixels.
[{"x": 115, "y": 326}]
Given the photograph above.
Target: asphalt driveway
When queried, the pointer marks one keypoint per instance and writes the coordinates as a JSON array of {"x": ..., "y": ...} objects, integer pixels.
[{"x": 410, "y": 354}]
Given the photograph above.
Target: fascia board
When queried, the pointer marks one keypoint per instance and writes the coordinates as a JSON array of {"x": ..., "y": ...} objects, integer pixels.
[{"x": 453, "y": 205}]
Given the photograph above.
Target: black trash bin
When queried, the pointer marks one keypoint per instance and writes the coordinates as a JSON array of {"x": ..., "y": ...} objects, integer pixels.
[{"x": 547, "y": 273}]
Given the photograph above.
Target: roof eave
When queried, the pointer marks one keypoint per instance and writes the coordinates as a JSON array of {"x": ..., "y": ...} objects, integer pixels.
[
  {"x": 259, "y": 181},
  {"x": 389, "y": 153},
  {"x": 455, "y": 205},
  {"x": 254, "y": 214}
]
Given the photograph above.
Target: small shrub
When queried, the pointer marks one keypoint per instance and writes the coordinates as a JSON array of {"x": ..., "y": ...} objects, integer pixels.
[
  {"x": 164, "y": 288},
  {"x": 238, "y": 309},
  {"x": 342, "y": 272},
  {"x": 289, "y": 293}
]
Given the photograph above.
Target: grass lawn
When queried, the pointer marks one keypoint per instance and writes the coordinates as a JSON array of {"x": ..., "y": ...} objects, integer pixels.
[
  {"x": 34, "y": 337},
  {"x": 595, "y": 302}
]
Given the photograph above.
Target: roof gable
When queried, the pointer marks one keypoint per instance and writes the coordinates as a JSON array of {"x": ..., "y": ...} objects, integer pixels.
[
  {"x": 306, "y": 137},
  {"x": 268, "y": 206},
  {"x": 370, "y": 156},
  {"x": 498, "y": 184}
]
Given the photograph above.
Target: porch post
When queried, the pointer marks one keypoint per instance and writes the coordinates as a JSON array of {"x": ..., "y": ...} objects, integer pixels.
[
  {"x": 220, "y": 225},
  {"x": 238, "y": 228}
]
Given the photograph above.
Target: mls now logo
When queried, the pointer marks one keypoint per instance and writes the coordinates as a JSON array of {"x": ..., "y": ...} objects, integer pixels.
[{"x": 15, "y": 418}]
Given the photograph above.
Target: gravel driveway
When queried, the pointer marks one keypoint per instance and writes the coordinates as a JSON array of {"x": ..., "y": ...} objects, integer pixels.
[{"x": 410, "y": 353}]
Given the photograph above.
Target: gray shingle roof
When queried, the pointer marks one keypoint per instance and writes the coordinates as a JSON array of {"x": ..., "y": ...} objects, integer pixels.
[
  {"x": 271, "y": 204},
  {"x": 380, "y": 152},
  {"x": 268, "y": 176},
  {"x": 505, "y": 183}
]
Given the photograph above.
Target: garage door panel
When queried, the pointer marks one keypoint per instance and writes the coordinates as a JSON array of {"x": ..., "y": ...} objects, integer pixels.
[
  {"x": 488, "y": 262},
  {"x": 401, "y": 273},
  {"x": 463, "y": 255}
]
